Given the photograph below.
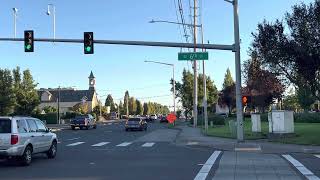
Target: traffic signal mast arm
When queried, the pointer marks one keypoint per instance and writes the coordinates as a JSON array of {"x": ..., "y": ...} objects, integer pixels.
[{"x": 135, "y": 43}]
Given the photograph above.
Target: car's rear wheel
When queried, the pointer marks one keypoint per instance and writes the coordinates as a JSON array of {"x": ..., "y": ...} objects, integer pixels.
[
  {"x": 53, "y": 150},
  {"x": 73, "y": 128},
  {"x": 87, "y": 127},
  {"x": 127, "y": 129},
  {"x": 95, "y": 126},
  {"x": 26, "y": 158}
]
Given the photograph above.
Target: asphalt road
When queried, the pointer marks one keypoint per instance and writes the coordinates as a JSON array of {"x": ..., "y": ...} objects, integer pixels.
[
  {"x": 111, "y": 153},
  {"x": 116, "y": 155}
]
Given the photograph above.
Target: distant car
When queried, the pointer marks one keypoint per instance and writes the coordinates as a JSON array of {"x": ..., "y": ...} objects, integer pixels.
[
  {"x": 136, "y": 124},
  {"x": 83, "y": 121},
  {"x": 20, "y": 137},
  {"x": 153, "y": 117},
  {"x": 163, "y": 119}
]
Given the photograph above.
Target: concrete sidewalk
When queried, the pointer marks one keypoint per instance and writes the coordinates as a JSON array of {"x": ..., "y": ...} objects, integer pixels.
[
  {"x": 254, "y": 166},
  {"x": 194, "y": 136}
]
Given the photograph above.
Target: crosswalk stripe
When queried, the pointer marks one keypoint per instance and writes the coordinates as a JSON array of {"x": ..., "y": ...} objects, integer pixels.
[
  {"x": 204, "y": 171},
  {"x": 147, "y": 144},
  {"x": 300, "y": 167},
  {"x": 101, "y": 144},
  {"x": 75, "y": 144},
  {"x": 124, "y": 144},
  {"x": 318, "y": 156}
]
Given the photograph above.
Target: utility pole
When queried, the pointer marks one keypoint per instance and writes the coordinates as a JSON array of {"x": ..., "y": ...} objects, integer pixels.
[
  {"x": 127, "y": 106},
  {"x": 195, "y": 72},
  {"x": 59, "y": 105},
  {"x": 205, "y": 104}
]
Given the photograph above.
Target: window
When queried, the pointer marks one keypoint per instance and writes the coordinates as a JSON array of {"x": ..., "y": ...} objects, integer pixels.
[
  {"x": 41, "y": 127},
  {"x": 32, "y": 125},
  {"x": 22, "y": 126},
  {"x": 5, "y": 126}
]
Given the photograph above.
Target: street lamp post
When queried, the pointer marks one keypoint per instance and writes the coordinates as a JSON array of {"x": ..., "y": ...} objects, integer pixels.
[
  {"x": 15, "y": 11},
  {"x": 54, "y": 18},
  {"x": 173, "y": 83}
]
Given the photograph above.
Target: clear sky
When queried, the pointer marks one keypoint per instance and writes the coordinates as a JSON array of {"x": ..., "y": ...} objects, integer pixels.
[{"x": 120, "y": 68}]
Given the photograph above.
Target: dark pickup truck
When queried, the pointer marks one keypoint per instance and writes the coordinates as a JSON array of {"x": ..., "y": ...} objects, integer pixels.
[{"x": 83, "y": 121}]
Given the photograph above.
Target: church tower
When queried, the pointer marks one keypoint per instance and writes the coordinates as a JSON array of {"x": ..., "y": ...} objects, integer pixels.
[{"x": 92, "y": 81}]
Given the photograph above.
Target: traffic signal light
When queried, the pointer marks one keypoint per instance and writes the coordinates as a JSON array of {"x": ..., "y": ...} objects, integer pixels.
[
  {"x": 88, "y": 42},
  {"x": 28, "y": 41},
  {"x": 246, "y": 100}
]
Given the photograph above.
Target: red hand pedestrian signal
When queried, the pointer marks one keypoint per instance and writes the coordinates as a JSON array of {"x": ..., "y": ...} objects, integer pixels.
[{"x": 171, "y": 118}]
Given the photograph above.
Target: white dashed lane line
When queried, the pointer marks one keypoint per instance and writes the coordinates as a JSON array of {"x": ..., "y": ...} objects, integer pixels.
[
  {"x": 100, "y": 144},
  {"x": 318, "y": 156},
  {"x": 124, "y": 144},
  {"x": 75, "y": 144},
  {"x": 147, "y": 144}
]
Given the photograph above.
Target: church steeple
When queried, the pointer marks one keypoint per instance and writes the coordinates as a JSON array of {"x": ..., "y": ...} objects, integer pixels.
[{"x": 92, "y": 81}]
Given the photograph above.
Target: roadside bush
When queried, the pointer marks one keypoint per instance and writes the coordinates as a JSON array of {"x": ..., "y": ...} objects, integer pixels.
[
  {"x": 216, "y": 119},
  {"x": 264, "y": 117},
  {"x": 70, "y": 115},
  {"x": 50, "y": 118},
  {"x": 307, "y": 117}
]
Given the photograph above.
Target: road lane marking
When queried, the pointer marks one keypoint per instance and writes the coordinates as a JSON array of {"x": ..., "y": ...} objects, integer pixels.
[
  {"x": 192, "y": 143},
  {"x": 318, "y": 156},
  {"x": 100, "y": 144},
  {"x": 75, "y": 144},
  {"x": 147, "y": 144},
  {"x": 124, "y": 144},
  {"x": 303, "y": 170},
  {"x": 73, "y": 139},
  {"x": 204, "y": 171},
  {"x": 247, "y": 149}
]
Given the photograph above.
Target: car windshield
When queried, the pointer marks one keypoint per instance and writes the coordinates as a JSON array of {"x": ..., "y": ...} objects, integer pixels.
[
  {"x": 5, "y": 126},
  {"x": 134, "y": 119}
]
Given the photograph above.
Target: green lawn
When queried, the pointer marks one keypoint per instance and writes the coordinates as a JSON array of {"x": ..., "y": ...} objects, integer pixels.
[{"x": 306, "y": 133}]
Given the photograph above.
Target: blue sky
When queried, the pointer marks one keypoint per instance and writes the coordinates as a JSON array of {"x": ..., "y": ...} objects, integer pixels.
[{"x": 118, "y": 68}]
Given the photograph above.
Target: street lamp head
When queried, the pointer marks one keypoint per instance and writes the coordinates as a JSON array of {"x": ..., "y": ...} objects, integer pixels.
[
  {"x": 152, "y": 21},
  {"x": 15, "y": 10},
  {"x": 48, "y": 10}
]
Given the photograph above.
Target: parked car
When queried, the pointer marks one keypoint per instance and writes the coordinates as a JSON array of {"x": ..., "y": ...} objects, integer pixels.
[
  {"x": 163, "y": 119},
  {"x": 21, "y": 137},
  {"x": 83, "y": 121},
  {"x": 153, "y": 117},
  {"x": 136, "y": 124}
]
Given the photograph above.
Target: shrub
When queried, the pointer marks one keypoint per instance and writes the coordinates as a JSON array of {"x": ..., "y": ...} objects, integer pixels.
[
  {"x": 264, "y": 117},
  {"x": 216, "y": 119},
  {"x": 50, "y": 118},
  {"x": 307, "y": 117},
  {"x": 70, "y": 115}
]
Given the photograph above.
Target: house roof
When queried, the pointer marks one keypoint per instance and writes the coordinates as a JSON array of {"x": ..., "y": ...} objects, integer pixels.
[{"x": 69, "y": 95}]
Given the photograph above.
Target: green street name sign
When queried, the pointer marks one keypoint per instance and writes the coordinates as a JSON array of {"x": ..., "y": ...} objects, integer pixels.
[{"x": 191, "y": 56}]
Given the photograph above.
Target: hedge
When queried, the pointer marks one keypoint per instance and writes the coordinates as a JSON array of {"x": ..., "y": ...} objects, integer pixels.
[
  {"x": 216, "y": 119},
  {"x": 307, "y": 117},
  {"x": 50, "y": 118},
  {"x": 298, "y": 117}
]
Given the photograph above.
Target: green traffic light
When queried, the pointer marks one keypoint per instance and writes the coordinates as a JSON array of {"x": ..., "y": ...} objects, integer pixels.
[
  {"x": 28, "y": 47},
  {"x": 88, "y": 48}
]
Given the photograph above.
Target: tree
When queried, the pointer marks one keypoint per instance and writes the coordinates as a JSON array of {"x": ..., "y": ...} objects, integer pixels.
[
  {"x": 305, "y": 97},
  {"x": 81, "y": 108},
  {"x": 110, "y": 102},
  {"x": 185, "y": 91},
  {"x": 49, "y": 109},
  {"x": 126, "y": 103},
  {"x": 139, "y": 108},
  {"x": 132, "y": 106},
  {"x": 27, "y": 96},
  {"x": 7, "y": 95},
  {"x": 262, "y": 85},
  {"x": 290, "y": 102},
  {"x": 228, "y": 81},
  {"x": 121, "y": 108},
  {"x": 145, "y": 109},
  {"x": 292, "y": 53}
]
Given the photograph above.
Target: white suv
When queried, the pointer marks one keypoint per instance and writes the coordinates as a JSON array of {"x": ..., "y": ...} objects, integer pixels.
[{"x": 20, "y": 137}]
